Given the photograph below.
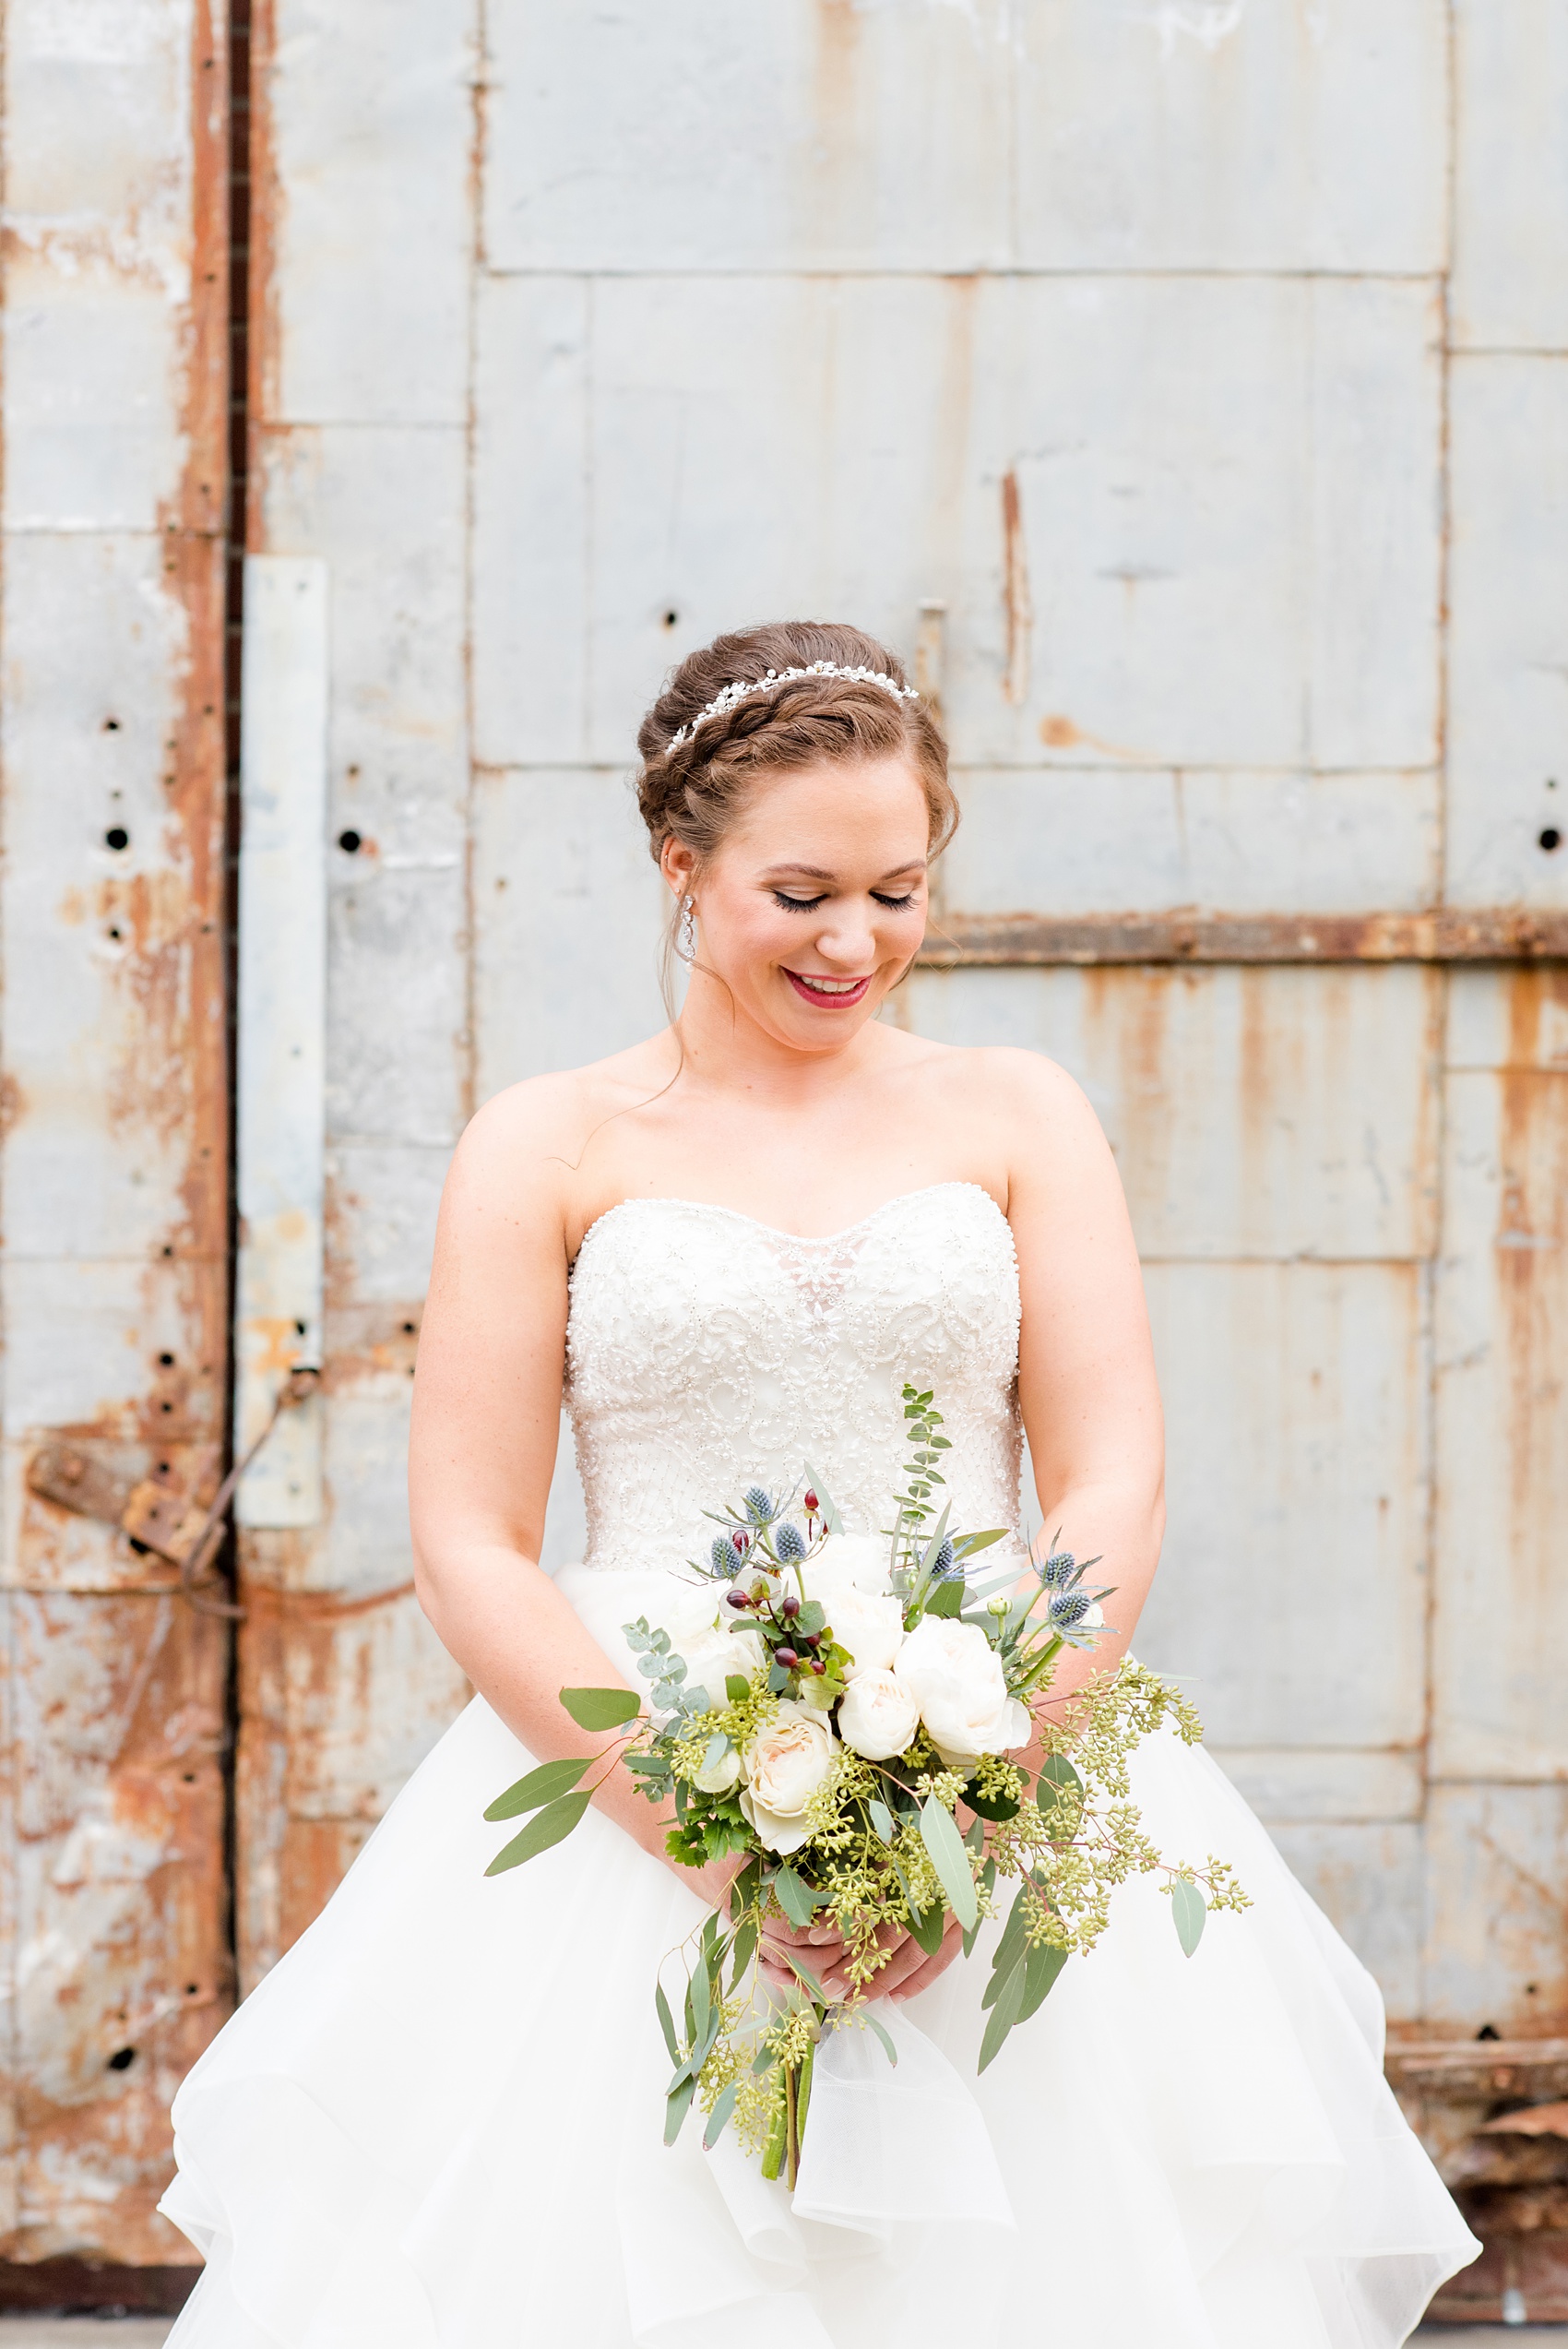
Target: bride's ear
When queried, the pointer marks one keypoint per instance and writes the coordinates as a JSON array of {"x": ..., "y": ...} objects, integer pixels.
[{"x": 676, "y": 862}]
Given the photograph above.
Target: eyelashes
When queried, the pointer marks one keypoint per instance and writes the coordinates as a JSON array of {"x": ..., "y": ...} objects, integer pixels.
[{"x": 810, "y": 904}]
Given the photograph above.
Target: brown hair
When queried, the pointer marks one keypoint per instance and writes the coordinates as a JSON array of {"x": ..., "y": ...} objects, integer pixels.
[{"x": 693, "y": 792}]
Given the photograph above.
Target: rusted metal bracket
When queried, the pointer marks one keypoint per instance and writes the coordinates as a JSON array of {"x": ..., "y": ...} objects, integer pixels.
[
  {"x": 1447, "y": 933},
  {"x": 156, "y": 1513}
]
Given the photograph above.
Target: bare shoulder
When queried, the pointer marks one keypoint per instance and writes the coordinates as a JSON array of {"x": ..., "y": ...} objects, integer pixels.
[
  {"x": 519, "y": 1155},
  {"x": 1016, "y": 1094}
]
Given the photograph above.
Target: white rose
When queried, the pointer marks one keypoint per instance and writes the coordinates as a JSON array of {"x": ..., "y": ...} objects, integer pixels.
[
  {"x": 785, "y": 1764},
  {"x": 850, "y": 1576},
  {"x": 954, "y": 1676},
  {"x": 708, "y": 1648},
  {"x": 878, "y": 1715},
  {"x": 859, "y": 1558}
]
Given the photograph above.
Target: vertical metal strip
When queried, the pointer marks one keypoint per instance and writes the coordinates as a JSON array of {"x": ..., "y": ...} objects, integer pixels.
[{"x": 282, "y": 1028}]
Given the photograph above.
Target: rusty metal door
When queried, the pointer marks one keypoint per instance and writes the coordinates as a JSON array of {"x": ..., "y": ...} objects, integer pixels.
[{"x": 116, "y": 1965}]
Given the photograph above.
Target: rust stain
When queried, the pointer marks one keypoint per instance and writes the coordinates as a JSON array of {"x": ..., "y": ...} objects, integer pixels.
[
  {"x": 1531, "y": 1254},
  {"x": 1017, "y": 609},
  {"x": 1183, "y": 934},
  {"x": 1059, "y": 733}
]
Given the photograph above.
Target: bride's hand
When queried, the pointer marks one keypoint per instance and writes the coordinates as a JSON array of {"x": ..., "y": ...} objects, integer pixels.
[{"x": 910, "y": 1971}]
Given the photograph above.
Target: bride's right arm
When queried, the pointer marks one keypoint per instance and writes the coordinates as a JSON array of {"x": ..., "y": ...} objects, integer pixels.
[{"x": 486, "y": 1417}]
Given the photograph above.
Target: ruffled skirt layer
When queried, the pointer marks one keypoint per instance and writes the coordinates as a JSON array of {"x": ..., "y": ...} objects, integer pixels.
[{"x": 437, "y": 2124}]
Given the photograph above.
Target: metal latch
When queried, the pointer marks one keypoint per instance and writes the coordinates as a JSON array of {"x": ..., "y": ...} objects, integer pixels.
[{"x": 156, "y": 1513}]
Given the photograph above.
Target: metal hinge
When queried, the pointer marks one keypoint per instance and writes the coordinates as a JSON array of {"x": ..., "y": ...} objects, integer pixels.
[{"x": 156, "y": 1513}]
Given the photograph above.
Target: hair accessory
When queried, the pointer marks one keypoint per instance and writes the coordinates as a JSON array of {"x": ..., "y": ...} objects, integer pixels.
[
  {"x": 686, "y": 931},
  {"x": 725, "y": 700}
]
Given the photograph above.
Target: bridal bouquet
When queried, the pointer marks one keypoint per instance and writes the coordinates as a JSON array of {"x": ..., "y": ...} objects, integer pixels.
[{"x": 847, "y": 1713}]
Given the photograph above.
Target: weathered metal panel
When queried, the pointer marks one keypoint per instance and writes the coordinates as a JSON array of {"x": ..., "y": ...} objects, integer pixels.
[
  {"x": 280, "y": 1142},
  {"x": 1371, "y": 1880},
  {"x": 363, "y": 159},
  {"x": 868, "y": 430},
  {"x": 1497, "y": 1864},
  {"x": 115, "y": 1275},
  {"x": 1182, "y": 136},
  {"x": 1511, "y": 175},
  {"x": 768, "y": 139},
  {"x": 560, "y": 857},
  {"x": 1269, "y": 1113},
  {"x": 1502, "y": 1622},
  {"x": 1508, "y": 685},
  {"x": 1104, "y": 841}
]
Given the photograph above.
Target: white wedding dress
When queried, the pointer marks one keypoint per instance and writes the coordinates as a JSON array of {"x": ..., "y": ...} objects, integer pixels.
[{"x": 437, "y": 2124}]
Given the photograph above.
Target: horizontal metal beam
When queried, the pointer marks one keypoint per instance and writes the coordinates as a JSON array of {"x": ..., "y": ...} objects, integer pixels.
[{"x": 1488, "y": 933}]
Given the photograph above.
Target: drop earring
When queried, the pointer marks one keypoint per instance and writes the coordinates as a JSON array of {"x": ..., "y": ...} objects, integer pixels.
[{"x": 686, "y": 931}]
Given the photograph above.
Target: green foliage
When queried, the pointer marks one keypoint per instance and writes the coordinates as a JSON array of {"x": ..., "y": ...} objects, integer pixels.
[
  {"x": 540, "y": 1785},
  {"x": 598, "y": 1708}
]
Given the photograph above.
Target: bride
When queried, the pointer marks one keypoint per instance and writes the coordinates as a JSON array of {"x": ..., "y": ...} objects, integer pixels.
[{"x": 436, "y": 2124}]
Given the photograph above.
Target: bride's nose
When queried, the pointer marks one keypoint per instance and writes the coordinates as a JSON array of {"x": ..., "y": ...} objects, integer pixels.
[{"x": 850, "y": 940}]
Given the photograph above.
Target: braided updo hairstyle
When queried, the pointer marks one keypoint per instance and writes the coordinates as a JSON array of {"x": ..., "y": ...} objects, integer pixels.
[{"x": 695, "y": 792}]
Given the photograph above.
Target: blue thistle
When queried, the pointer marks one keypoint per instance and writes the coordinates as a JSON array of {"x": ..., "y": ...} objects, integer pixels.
[
  {"x": 1069, "y": 1607},
  {"x": 721, "y": 1556},
  {"x": 944, "y": 1567},
  {"x": 758, "y": 1505},
  {"x": 789, "y": 1544},
  {"x": 1058, "y": 1571}
]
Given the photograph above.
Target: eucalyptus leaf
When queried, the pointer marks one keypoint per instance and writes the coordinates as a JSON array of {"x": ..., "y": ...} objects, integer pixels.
[
  {"x": 1011, "y": 1944},
  {"x": 676, "y": 2108},
  {"x": 1000, "y": 1978},
  {"x": 1042, "y": 1968},
  {"x": 763, "y": 2061},
  {"x": 793, "y": 1897},
  {"x": 947, "y": 1599},
  {"x": 601, "y": 1708},
  {"x": 666, "y": 2023},
  {"x": 715, "y": 1750},
  {"x": 651, "y": 1668},
  {"x": 702, "y": 2000},
  {"x": 735, "y": 1688},
  {"x": 549, "y": 1826},
  {"x": 992, "y": 1807},
  {"x": 1187, "y": 1902},
  {"x": 723, "y": 2105},
  {"x": 1058, "y": 1792},
  {"x": 940, "y": 1835},
  {"x": 745, "y": 1946},
  {"x": 806, "y": 1975},
  {"x": 886, "y": 2038},
  {"x": 1003, "y": 2015},
  {"x": 881, "y": 1818},
  {"x": 968, "y": 1543},
  {"x": 925, "y": 1927},
  {"x": 928, "y": 1558},
  {"x": 540, "y": 1785}
]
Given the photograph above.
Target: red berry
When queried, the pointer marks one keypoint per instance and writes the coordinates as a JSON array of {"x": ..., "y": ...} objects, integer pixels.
[
  {"x": 810, "y": 1639},
  {"x": 811, "y": 1503},
  {"x": 786, "y": 1656},
  {"x": 737, "y": 1598},
  {"x": 742, "y": 1542},
  {"x": 818, "y": 1667},
  {"x": 789, "y": 1605}
]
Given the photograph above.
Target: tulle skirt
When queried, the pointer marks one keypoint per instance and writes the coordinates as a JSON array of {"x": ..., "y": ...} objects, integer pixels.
[{"x": 437, "y": 2124}]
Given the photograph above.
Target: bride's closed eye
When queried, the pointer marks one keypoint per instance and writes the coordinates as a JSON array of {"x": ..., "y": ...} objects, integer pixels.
[{"x": 810, "y": 904}]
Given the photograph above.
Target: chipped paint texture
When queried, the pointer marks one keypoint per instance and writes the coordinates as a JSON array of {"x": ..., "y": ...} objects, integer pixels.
[
  {"x": 1126, "y": 336},
  {"x": 112, "y": 1277}
]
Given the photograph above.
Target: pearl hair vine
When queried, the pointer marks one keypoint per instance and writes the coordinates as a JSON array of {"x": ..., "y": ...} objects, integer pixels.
[{"x": 726, "y": 699}]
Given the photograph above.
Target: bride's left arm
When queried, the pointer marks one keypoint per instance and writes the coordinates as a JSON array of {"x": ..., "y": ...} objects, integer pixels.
[{"x": 1087, "y": 1385}]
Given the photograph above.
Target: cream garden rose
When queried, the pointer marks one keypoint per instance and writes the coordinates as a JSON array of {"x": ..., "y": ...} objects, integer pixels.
[
  {"x": 849, "y": 1574},
  {"x": 710, "y": 1650},
  {"x": 783, "y": 1765},
  {"x": 953, "y": 1675},
  {"x": 878, "y": 1715}
]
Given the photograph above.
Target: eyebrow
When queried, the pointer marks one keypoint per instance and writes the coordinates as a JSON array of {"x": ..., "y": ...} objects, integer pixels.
[{"x": 818, "y": 873}]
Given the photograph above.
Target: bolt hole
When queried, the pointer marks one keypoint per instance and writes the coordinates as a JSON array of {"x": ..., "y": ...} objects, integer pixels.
[
  {"x": 1489, "y": 2030},
  {"x": 122, "y": 2059},
  {"x": 115, "y": 936},
  {"x": 1551, "y": 838},
  {"x": 116, "y": 836},
  {"x": 166, "y": 1362},
  {"x": 165, "y": 1406},
  {"x": 672, "y": 619},
  {"x": 111, "y": 725},
  {"x": 166, "y": 1251},
  {"x": 349, "y": 842},
  {"x": 407, "y": 1328},
  {"x": 192, "y": 1989},
  {"x": 300, "y": 1327},
  {"x": 190, "y": 1776}
]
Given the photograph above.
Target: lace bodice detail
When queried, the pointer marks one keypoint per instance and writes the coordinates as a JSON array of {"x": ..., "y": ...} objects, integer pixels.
[{"x": 705, "y": 1352}]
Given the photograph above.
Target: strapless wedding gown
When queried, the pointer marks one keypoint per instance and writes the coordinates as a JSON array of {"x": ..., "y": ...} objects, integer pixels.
[{"x": 437, "y": 2124}]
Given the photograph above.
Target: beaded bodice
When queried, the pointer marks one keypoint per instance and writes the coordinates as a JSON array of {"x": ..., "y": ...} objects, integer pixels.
[{"x": 706, "y": 1352}]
